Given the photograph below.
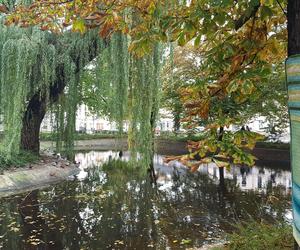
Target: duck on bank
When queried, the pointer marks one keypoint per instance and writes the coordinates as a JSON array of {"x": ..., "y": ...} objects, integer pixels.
[{"x": 47, "y": 170}]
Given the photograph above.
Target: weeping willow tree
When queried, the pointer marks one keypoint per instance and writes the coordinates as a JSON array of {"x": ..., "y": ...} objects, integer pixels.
[
  {"x": 36, "y": 68},
  {"x": 134, "y": 84},
  {"x": 40, "y": 69},
  {"x": 104, "y": 83},
  {"x": 120, "y": 79},
  {"x": 23, "y": 84},
  {"x": 144, "y": 101},
  {"x": 127, "y": 88},
  {"x": 79, "y": 53}
]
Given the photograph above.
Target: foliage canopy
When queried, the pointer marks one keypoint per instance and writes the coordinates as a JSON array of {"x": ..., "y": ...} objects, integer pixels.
[{"x": 237, "y": 45}]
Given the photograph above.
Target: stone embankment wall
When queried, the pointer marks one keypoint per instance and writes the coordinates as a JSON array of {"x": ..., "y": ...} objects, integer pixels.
[{"x": 47, "y": 171}]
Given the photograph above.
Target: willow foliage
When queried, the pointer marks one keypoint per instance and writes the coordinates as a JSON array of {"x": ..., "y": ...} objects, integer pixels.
[
  {"x": 127, "y": 89},
  {"x": 73, "y": 61},
  {"x": 30, "y": 59},
  {"x": 21, "y": 77},
  {"x": 120, "y": 80},
  {"x": 33, "y": 60},
  {"x": 144, "y": 104}
]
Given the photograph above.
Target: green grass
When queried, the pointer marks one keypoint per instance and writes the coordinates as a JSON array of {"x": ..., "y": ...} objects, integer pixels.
[
  {"x": 163, "y": 136},
  {"x": 82, "y": 136},
  {"x": 19, "y": 160},
  {"x": 260, "y": 236},
  {"x": 108, "y": 134}
]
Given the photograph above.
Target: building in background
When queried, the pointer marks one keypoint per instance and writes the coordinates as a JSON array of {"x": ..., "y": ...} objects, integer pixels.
[
  {"x": 87, "y": 122},
  {"x": 261, "y": 125}
]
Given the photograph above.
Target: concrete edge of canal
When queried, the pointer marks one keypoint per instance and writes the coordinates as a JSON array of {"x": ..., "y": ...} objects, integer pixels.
[{"x": 47, "y": 171}]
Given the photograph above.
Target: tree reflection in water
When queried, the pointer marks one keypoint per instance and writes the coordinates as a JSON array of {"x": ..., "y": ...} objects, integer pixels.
[{"x": 116, "y": 206}]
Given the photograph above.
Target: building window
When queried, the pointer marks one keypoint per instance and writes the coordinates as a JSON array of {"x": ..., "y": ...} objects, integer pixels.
[{"x": 99, "y": 126}]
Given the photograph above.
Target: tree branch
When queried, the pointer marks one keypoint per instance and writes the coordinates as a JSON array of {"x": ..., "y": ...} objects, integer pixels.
[
  {"x": 247, "y": 16},
  {"x": 284, "y": 12}
]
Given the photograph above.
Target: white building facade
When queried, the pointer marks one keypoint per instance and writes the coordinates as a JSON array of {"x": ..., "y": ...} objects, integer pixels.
[{"x": 87, "y": 122}]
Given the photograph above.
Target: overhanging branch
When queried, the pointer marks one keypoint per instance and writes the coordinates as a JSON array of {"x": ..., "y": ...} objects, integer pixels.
[{"x": 246, "y": 16}]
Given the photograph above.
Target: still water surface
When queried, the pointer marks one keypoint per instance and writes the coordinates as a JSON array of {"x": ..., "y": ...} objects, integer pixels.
[{"x": 115, "y": 208}]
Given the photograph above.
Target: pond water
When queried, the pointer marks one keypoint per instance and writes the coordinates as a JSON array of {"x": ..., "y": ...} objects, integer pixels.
[{"x": 118, "y": 208}]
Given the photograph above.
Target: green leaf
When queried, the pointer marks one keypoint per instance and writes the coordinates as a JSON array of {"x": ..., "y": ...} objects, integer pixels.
[
  {"x": 226, "y": 3},
  {"x": 181, "y": 40},
  {"x": 79, "y": 26},
  {"x": 189, "y": 27},
  {"x": 232, "y": 87},
  {"x": 221, "y": 164},
  {"x": 151, "y": 8},
  {"x": 197, "y": 41},
  {"x": 185, "y": 241},
  {"x": 266, "y": 12},
  {"x": 220, "y": 18},
  {"x": 254, "y": 2},
  {"x": 267, "y": 2},
  {"x": 247, "y": 88}
]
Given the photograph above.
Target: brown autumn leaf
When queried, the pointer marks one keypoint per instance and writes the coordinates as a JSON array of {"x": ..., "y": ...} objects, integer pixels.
[
  {"x": 168, "y": 159},
  {"x": 44, "y": 27},
  {"x": 105, "y": 30},
  {"x": 64, "y": 24},
  {"x": 194, "y": 168},
  {"x": 94, "y": 17},
  {"x": 3, "y": 9}
]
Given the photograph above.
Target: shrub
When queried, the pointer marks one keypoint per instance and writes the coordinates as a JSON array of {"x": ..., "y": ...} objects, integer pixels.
[{"x": 255, "y": 235}]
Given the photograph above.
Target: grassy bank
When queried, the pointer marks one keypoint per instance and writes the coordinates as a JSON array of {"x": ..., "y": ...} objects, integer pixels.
[
  {"x": 19, "y": 160},
  {"x": 260, "y": 236},
  {"x": 110, "y": 134},
  {"x": 83, "y": 136},
  {"x": 162, "y": 136}
]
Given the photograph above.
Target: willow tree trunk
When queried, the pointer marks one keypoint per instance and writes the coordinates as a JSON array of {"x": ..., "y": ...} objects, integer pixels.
[
  {"x": 36, "y": 110},
  {"x": 33, "y": 117},
  {"x": 293, "y": 74},
  {"x": 37, "y": 105}
]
